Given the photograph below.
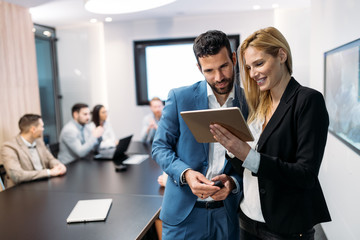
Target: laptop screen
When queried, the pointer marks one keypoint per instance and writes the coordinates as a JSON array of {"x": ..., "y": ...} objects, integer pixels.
[{"x": 121, "y": 148}]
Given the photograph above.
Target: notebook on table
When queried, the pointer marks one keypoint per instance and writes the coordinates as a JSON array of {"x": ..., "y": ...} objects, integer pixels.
[{"x": 90, "y": 210}]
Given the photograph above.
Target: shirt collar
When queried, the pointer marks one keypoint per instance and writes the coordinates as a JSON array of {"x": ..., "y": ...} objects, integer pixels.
[
  {"x": 78, "y": 125},
  {"x": 29, "y": 145},
  {"x": 212, "y": 97}
]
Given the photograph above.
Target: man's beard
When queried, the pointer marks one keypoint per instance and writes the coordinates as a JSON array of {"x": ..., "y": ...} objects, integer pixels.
[
  {"x": 225, "y": 90},
  {"x": 83, "y": 123}
]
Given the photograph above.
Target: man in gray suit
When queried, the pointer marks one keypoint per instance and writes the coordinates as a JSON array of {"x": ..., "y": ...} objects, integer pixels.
[
  {"x": 26, "y": 157},
  {"x": 77, "y": 139}
]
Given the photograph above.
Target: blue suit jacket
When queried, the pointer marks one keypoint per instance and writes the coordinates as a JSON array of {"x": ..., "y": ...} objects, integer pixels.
[{"x": 175, "y": 149}]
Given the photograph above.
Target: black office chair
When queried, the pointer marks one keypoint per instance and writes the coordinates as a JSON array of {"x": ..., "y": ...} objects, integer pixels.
[
  {"x": 2, "y": 176},
  {"x": 54, "y": 149}
]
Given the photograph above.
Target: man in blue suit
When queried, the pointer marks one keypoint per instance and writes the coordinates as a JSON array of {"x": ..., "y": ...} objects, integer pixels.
[{"x": 193, "y": 208}]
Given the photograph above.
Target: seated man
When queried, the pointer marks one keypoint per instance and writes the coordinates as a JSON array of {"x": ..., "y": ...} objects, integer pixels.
[
  {"x": 150, "y": 122},
  {"x": 77, "y": 139},
  {"x": 26, "y": 157}
]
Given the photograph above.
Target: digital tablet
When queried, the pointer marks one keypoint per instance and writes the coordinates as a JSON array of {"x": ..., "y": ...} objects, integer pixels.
[
  {"x": 231, "y": 118},
  {"x": 90, "y": 210}
]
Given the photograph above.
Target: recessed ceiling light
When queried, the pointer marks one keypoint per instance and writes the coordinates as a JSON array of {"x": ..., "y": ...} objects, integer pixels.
[
  {"x": 275, "y": 5},
  {"x": 256, "y": 7},
  {"x": 108, "y": 19},
  {"x": 118, "y": 7},
  {"x": 33, "y": 29},
  {"x": 93, "y": 20}
]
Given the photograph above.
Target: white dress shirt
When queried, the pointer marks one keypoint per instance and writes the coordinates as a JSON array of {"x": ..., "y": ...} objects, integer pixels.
[{"x": 216, "y": 150}]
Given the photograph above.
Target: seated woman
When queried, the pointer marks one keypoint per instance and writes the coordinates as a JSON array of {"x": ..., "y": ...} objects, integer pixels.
[{"x": 99, "y": 116}]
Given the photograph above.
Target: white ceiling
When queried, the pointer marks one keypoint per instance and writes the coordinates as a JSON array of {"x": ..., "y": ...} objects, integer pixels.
[{"x": 68, "y": 12}]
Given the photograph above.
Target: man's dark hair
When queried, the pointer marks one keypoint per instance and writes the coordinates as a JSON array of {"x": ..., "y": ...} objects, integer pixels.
[
  {"x": 95, "y": 114},
  {"x": 77, "y": 107},
  {"x": 210, "y": 43},
  {"x": 27, "y": 121}
]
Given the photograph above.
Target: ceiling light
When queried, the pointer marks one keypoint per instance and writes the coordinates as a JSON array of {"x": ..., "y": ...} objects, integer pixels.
[
  {"x": 108, "y": 19},
  {"x": 256, "y": 7},
  {"x": 47, "y": 33},
  {"x": 122, "y": 6},
  {"x": 275, "y": 5},
  {"x": 93, "y": 20}
]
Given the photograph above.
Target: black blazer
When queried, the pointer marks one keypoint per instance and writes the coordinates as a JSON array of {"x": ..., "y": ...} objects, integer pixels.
[{"x": 291, "y": 148}]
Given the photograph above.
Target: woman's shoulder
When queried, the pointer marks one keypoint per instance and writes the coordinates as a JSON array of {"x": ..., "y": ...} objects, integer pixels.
[{"x": 307, "y": 93}]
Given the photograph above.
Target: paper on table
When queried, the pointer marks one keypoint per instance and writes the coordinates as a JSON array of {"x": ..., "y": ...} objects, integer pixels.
[{"x": 136, "y": 159}]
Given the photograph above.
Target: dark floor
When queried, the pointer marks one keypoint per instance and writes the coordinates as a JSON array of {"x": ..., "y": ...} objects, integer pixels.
[{"x": 319, "y": 233}]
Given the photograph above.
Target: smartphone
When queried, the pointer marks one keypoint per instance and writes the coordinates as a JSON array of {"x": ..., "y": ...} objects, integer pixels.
[{"x": 219, "y": 184}]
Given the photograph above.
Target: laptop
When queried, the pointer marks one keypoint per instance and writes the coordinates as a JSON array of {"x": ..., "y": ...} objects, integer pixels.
[
  {"x": 90, "y": 210},
  {"x": 117, "y": 153}
]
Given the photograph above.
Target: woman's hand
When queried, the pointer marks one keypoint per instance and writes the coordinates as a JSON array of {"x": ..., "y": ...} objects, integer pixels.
[{"x": 233, "y": 144}]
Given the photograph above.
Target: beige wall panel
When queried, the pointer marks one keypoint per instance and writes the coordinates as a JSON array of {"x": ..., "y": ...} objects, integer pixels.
[{"x": 19, "y": 91}]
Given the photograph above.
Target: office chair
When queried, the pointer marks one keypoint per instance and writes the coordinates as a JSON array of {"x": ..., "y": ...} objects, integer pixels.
[
  {"x": 54, "y": 149},
  {"x": 2, "y": 174}
]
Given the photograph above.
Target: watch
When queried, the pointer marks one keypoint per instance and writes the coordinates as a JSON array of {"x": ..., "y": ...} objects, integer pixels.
[{"x": 183, "y": 179}]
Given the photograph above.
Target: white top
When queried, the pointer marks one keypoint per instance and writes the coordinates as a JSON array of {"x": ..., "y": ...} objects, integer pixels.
[
  {"x": 76, "y": 141},
  {"x": 148, "y": 136},
  {"x": 108, "y": 138},
  {"x": 250, "y": 205}
]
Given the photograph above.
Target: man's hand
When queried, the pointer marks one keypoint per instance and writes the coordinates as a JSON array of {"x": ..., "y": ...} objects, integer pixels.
[
  {"x": 152, "y": 125},
  {"x": 58, "y": 170},
  {"x": 229, "y": 185},
  {"x": 162, "y": 179},
  {"x": 98, "y": 131},
  {"x": 199, "y": 184}
]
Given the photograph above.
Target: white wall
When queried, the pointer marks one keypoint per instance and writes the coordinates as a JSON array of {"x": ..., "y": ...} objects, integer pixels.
[
  {"x": 334, "y": 23},
  {"x": 81, "y": 66},
  {"x": 298, "y": 39}
]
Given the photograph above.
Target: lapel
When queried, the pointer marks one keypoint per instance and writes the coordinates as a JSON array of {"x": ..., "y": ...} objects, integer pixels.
[
  {"x": 202, "y": 102},
  {"x": 24, "y": 149},
  {"x": 40, "y": 149},
  {"x": 236, "y": 101},
  {"x": 280, "y": 111}
]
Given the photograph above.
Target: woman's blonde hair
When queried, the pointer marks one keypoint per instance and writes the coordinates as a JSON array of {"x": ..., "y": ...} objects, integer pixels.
[{"x": 269, "y": 40}]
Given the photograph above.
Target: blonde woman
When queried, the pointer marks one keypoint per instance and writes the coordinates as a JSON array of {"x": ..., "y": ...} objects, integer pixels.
[{"x": 282, "y": 194}]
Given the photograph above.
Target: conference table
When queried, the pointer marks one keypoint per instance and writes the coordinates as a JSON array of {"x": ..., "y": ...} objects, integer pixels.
[{"x": 38, "y": 209}]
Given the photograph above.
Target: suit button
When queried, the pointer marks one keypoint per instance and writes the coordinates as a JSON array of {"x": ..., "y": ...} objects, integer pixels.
[
  {"x": 205, "y": 163},
  {"x": 262, "y": 191}
]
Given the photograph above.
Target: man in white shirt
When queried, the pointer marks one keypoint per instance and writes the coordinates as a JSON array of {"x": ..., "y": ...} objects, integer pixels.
[
  {"x": 150, "y": 122},
  {"x": 26, "y": 157},
  {"x": 193, "y": 208},
  {"x": 77, "y": 139}
]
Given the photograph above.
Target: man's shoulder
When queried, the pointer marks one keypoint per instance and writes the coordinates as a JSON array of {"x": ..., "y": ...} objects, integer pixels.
[
  {"x": 11, "y": 145},
  {"x": 12, "y": 142},
  {"x": 69, "y": 127}
]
